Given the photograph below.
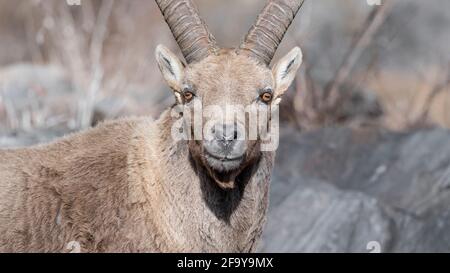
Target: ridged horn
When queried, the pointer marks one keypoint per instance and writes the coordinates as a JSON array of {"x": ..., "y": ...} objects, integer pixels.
[
  {"x": 266, "y": 34},
  {"x": 189, "y": 30}
]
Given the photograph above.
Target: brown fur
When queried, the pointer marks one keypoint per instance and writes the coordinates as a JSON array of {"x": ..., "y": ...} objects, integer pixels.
[
  {"x": 127, "y": 186},
  {"x": 124, "y": 187}
]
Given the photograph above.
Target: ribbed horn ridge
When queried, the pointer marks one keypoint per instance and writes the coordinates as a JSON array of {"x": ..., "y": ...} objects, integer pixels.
[
  {"x": 189, "y": 30},
  {"x": 267, "y": 32}
]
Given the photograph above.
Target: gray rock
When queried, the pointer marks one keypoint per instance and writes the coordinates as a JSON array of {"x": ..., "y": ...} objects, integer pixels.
[
  {"x": 337, "y": 189},
  {"x": 321, "y": 218}
]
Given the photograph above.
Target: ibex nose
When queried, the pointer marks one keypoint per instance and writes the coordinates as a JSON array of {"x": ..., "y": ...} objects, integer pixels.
[
  {"x": 227, "y": 142},
  {"x": 225, "y": 134}
]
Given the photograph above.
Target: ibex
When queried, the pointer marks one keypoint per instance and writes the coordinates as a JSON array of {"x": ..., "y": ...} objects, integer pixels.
[{"x": 128, "y": 186}]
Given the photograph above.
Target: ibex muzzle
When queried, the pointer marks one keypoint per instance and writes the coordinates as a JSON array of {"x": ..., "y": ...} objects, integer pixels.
[
  {"x": 226, "y": 150},
  {"x": 224, "y": 78}
]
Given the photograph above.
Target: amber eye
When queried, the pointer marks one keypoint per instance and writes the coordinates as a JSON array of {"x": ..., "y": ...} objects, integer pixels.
[
  {"x": 188, "y": 96},
  {"x": 266, "y": 97}
]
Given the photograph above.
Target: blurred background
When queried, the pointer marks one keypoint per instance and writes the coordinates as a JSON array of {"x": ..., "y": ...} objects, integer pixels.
[{"x": 364, "y": 158}]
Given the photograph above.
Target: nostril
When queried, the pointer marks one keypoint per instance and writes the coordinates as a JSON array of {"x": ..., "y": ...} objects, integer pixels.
[{"x": 225, "y": 134}]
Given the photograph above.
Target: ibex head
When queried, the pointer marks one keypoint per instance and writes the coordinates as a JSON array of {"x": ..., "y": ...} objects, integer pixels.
[{"x": 227, "y": 77}]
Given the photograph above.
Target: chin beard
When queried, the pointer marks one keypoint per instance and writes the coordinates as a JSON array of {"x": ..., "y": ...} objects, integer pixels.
[
  {"x": 225, "y": 181},
  {"x": 223, "y": 172}
]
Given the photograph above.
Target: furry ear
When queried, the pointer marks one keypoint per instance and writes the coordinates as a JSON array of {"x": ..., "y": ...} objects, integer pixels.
[
  {"x": 284, "y": 72},
  {"x": 171, "y": 68}
]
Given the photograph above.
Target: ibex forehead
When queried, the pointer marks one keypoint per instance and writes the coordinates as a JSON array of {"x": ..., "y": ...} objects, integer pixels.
[{"x": 228, "y": 76}]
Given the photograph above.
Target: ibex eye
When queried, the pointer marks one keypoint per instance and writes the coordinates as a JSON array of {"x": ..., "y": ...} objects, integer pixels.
[
  {"x": 188, "y": 96},
  {"x": 266, "y": 97}
]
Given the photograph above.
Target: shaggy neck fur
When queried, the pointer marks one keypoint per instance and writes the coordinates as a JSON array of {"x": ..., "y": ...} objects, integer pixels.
[{"x": 194, "y": 208}]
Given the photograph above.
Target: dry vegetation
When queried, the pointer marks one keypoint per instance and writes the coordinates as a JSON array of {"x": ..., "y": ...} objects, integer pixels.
[
  {"x": 105, "y": 48},
  {"x": 103, "y": 51}
]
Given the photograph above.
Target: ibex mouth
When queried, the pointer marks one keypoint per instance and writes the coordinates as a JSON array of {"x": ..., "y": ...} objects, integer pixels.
[
  {"x": 223, "y": 164},
  {"x": 223, "y": 170}
]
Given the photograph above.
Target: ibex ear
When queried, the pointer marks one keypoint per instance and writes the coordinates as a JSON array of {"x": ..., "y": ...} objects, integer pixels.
[
  {"x": 171, "y": 67},
  {"x": 284, "y": 72}
]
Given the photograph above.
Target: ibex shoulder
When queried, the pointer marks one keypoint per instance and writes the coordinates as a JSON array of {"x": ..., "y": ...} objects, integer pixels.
[{"x": 107, "y": 143}]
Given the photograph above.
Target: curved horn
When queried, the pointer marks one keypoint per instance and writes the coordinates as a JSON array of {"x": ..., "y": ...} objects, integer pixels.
[
  {"x": 189, "y": 30},
  {"x": 272, "y": 23}
]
